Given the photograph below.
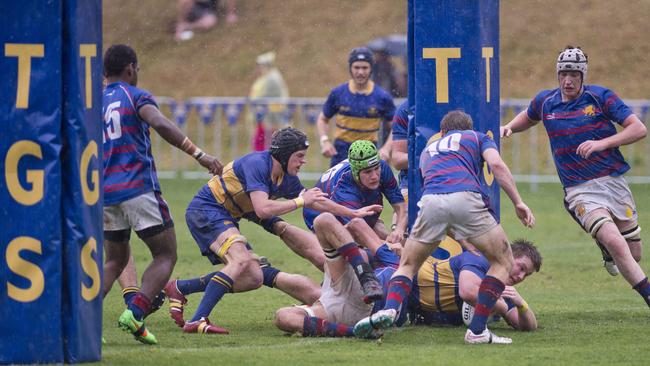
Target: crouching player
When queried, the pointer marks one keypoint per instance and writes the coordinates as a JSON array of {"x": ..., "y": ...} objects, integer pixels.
[
  {"x": 249, "y": 185},
  {"x": 362, "y": 180}
]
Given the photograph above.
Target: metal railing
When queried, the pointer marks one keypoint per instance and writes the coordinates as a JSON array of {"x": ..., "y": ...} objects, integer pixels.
[{"x": 224, "y": 127}]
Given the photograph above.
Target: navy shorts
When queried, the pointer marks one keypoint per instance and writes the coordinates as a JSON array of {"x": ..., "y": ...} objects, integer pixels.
[{"x": 206, "y": 220}]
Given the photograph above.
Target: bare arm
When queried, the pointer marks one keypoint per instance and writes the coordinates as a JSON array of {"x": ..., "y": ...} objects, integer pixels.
[
  {"x": 397, "y": 234},
  {"x": 322, "y": 126},
  {"x": 399, "y": 158},
  {"x": 520, "y": 317},
  {"x": 266, "y": 208},
  {"x": 633, "y": 130},
  {"x": 339, "y": 210},
  {"x": 386, "y": 150},
  {"x": 172, "y": 134},
  {"x": 507, "y": 183},
  {"x": 521, "y": 122}
]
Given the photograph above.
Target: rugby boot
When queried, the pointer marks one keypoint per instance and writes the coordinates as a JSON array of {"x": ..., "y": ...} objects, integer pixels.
[
  {"x": 128, "y": 323},
  {"x": 203, "y": 326},
  {"x": 372, "y": 290},
  {"x": 372, "y": 327},
  {"x": 487, "y": 337},
  {"x": 176, "y": 302}
]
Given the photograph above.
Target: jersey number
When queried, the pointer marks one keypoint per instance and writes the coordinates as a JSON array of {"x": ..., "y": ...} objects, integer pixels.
[
  {"x": 447, "y": 143},
  {"x": 112, "y": 122}
]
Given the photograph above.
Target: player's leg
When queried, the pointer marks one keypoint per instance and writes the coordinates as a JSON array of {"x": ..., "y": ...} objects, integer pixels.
[
  {"x": 128, "y": 281},
  {"x": 300, "y": 287},
  {"x": 429, "y": 229},
  {"x": 310, "y": 321},
  {"x": 363, "y": 234},
  {"x": 301, "y": 242},
  {"x": 240, "y": 273},
  {"x": 335, "y": 239},
  {"x": 494, "y": 245}
]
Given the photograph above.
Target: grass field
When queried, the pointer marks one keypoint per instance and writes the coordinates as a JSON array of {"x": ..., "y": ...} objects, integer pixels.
[{"x": 586, "y": 317}]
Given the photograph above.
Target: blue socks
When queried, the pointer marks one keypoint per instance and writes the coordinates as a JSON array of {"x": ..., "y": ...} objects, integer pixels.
[
  {"x": 315, "y": 327},
  {"x": 643, "y": 288},
  {"x": 194, "y": 285},
  {"x": 219, "y": 285}
]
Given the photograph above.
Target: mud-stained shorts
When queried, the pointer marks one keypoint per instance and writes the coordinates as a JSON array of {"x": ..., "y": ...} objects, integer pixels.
[
  {"x": 611, "y": 193},
  {"x": 463, "y": 212},
  {"x": 343, "y": 299},
  {"x": 147, "y": 214}
]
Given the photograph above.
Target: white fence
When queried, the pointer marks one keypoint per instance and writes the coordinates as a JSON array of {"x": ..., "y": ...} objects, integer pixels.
[{"x": 224, "y": 127}]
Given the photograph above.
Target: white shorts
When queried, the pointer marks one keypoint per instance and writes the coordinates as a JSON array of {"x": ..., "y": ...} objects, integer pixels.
[
  {"x": 463, "y": 212},
  {"x": 611, "y": 193},
  {"x": 139, "y": 213},
  {"x": 343, "y": 299}
]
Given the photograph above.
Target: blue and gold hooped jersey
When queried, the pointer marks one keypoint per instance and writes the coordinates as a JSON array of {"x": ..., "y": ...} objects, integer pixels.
[
  {"x": 437, "y": 281},
  {"x": 568, "y": 124},
  {"x": 341, "y": 188},
  {"x": 129, "y": 168},
  {"x": 252, "y": 172},
  {"x": 359, "y": 113}
]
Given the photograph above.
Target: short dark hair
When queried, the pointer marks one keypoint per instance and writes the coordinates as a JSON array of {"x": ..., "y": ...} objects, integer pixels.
[
  {"x": 117, "y": 58},
  {"x": 456, "y": 120},
  {"x": 522, "y": 247}
]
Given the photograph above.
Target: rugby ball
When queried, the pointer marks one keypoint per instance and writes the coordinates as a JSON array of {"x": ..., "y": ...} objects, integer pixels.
[{"x": 467, "y": 313}]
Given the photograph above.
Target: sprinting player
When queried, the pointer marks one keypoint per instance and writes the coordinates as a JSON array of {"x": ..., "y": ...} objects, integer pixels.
[
  {"x": 452, "y": 199},
  {"x": 441, "y": 287},
  {"x": 359, "y": 105},
  {"x": 250, "y": 184},
  {"x": 361, "y": 180},
  {"x": 579, "y": 121},
  {"x": 132, "y": 194}
]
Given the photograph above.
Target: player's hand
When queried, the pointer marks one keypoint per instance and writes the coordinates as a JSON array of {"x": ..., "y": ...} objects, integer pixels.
[
  {"x": 511, "y": 293},
  {"x": 368, "y": 211},
  {"x": 395, "y": 248},
  {"x": 505, "y": 131},
  {"x": 327, "y": 149},
  {"x": 396, "y": 236},
  {"x": 313, "y": 195},
  {"x": 589, "y": 147},
  {"x": 384, "y": 153},
  {"x": 212, "y": 164},
  {"x": 525, "y": 215}
]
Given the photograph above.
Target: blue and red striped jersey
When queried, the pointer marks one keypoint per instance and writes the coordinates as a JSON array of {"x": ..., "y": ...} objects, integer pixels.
[
  {"x": 129, "y": 168},
  {"x": 400, "y": 133},
  {"x": 341, "y": 187},
  {"x": 589, "y": 117},
  {"x": 358, "y": 112},
  {"x": 453, "y": 162}
]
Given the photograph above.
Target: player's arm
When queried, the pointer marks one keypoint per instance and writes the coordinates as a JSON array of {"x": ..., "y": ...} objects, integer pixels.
[
  {"x": 399, "y": 157},
  {"x": 633, "y": 130},
  {"x": 322, "y": 126},
  {"x": 521, "y": 122},
  {"x": 266, "y": 208},
  {"x": 172, "y": 134},
  {"x": 336, "y": 209},
  {"x": 397, "y": 234},
  {"x": 521, "y": 316},
  {"x": 386, "y": 150},
  {"x": 507, "y": 183}
]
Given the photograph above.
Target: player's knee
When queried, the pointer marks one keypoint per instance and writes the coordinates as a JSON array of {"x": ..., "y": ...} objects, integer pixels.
[
  {"x": 357, "y": 225},
  {"x": 596, "y": 221},
  {"x": 324, "y": 221},
  {"x": 282, "y": 319},
  {"x": 254, "y": 274}
]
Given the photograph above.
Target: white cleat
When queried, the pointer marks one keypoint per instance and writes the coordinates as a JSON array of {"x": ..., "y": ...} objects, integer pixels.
[
  {"x": 484, "y": 338},
  {"x": 372, "y": 327},
  {"x": 611, "y": 268}
]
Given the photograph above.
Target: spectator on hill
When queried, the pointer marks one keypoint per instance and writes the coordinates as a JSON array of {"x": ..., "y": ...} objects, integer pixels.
[
  {"x": 268, "y": 84},
  {"x": 201, "y": 15}
]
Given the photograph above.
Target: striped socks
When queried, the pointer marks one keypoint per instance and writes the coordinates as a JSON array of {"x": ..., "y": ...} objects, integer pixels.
[
  {"x": 219, "y": 285},
  {"x": 488, "y": 294}
]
